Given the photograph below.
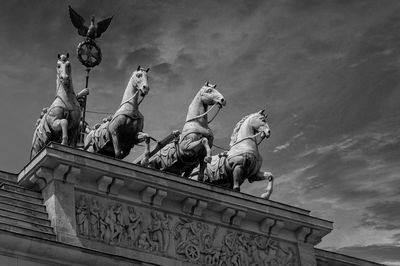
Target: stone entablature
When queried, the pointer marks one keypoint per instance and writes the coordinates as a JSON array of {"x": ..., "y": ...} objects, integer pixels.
[
  {"x": 115, "y": 206},
  {"x": 169, "y": 235}
]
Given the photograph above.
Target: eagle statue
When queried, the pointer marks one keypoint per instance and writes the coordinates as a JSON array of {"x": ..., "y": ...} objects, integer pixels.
[{"x": 94, "y": 30}]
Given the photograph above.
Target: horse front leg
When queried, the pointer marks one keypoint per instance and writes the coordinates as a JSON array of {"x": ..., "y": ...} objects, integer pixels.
[
  {"x": 207, "y": 159},
  {"x": 270, "y": 185},
  {"x": 62, "y": 124},
  {"x": 74, "y": 137},
  {"x": 237, "y": 176},
  {"x": 202, "y": 168},
  {"x": 191, "y": 145},
  {"x": 141, "y": 136},
  {"x": 117, "y": 147},
  {"x": 88, "y": 140}
]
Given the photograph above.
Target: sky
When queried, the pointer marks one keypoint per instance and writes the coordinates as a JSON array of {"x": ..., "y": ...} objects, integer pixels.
[{"x": 328, "y": 73}]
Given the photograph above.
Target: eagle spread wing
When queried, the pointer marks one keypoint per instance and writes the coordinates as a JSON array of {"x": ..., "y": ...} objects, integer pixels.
[
  {"x": 78, "y": 22},
  {"x": 102, "y": 26}
]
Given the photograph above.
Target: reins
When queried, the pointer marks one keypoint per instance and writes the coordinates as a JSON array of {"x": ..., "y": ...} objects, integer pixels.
[
  {"x": 253, "y": 138},
  {"x": 127, "y": 101},
  {"x": 59, "y": 97},
  {"x": 205, "y": 113},
  {"x": 133, "y": 96}
]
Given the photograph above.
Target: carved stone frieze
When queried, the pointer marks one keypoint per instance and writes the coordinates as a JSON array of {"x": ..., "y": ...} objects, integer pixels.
[
  {"x": 177, "y": 237},
  {"x": 205, "y": 244},
  {"x": 122, "y": 225}
]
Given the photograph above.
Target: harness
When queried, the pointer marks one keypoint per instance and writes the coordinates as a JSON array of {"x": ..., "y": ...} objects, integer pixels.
[
  {"x": 136, "y": 112},
  {"x": 253, "y": 138},
  {"x": 205, "y": 113},
  {"x": 67, "y": 111}
]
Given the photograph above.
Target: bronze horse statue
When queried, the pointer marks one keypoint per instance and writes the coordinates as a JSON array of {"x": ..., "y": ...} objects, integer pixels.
[
  {"x": 116, "y": 136},
  {"x": 243, "y": 160},
  {"x": 60, "y": 122},
  {"x": 195, "y": 142}
]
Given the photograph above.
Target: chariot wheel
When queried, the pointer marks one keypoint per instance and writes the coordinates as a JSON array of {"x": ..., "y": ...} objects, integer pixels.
[
  {"x": 89, "y": 54},
  {"x": 192, "y": 252}
]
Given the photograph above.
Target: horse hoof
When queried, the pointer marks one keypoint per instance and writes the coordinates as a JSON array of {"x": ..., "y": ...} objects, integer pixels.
[
  {"x": 144, "y": 162},
  {"x": 207, "y": 159},
  {"x": 265, "y": 195},
  {"x": 236, "y": 189}
]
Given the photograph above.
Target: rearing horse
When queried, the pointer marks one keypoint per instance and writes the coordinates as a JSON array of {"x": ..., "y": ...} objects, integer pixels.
[
  {"x": 60, "y": 122},
  {"x": 196, "y": 139},
  {"x": 243, "y": 160},
  {"x": 117, "y": 136}
]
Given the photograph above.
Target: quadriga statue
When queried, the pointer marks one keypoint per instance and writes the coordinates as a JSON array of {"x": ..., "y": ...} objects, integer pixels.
[
  {"x": 242, "y": 161},
  {"x": 116, "y": 136},
  {"x": 196, "y": 139},
  {"x": 60, "y": 121}
]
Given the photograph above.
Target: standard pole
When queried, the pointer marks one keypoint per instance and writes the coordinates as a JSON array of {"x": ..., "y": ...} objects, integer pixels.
[{"x": 84, "y": 108}]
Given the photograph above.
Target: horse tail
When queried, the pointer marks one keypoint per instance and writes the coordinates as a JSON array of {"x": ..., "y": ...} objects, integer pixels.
[
  {"x": 88, "y": 141},
  {"x": 44, "y": 111},
  {"x": 39, "y": 141}
]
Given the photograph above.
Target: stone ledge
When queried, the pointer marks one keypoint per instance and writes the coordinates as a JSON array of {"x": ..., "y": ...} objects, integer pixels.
[
  {"x": 98, "y": 173},
  {"x": 325, "y": 257}
]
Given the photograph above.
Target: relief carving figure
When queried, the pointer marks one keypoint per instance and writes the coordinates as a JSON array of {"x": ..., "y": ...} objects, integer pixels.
[
  {"x": 133, "y": 228},
  {"x": 117, "y": 227},
  {"x": 211, "y": 253},
  {"x": 160, "y": 231},
  {"x": 117, "y": 136},
  {"x": 166, "y": 230},
  {"x": 243, "y": 160},
  {"x": 155, "y": 230},
  {"x": 195, "y": 142},
  {"x": 108, "y": 224},
  {"x": 94, "y": 218},
  {"x": 82, "y": 217},
  {"x": 290, "y": 258},
  {"x": 144, "y": 241},
  {"x": 60, "y": 122},
  {"x": 102, "y": 223}
]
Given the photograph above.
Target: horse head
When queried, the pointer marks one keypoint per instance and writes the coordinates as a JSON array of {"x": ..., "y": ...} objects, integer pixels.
[
  {"x": 250, "y": 127},
  {"x": 139, "y": 80},
  {"x": 258, "y": 122},
  {"x": 210, "y": 96},
  {"x": 64, "y": 69}
]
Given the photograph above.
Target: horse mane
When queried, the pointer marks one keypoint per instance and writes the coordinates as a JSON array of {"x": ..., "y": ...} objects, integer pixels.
[{"x": 236, "y": 129}]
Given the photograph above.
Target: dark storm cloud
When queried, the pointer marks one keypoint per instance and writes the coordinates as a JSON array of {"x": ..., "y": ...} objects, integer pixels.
[
  {"x": 166, "y": 78},
  {"x": 188, "y": 25},
  {"x": 383, "y": 215},
  {"x": 145, "y": 56},
  {"x": 396, "y": 238},
  {"x": 184, "y": 59}
]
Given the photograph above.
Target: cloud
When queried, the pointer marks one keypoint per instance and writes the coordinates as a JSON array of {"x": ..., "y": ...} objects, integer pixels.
[
  {"x": 382, "y": 215},
  {"x": 282, "y": 147},
  {"x": 396, "y": 238},
  {"x": 287, "y": 144},
  {"x": 388, "y": 254},
  {"x": 166, "y": 78},
  {"x": 145, "y": 56}
]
